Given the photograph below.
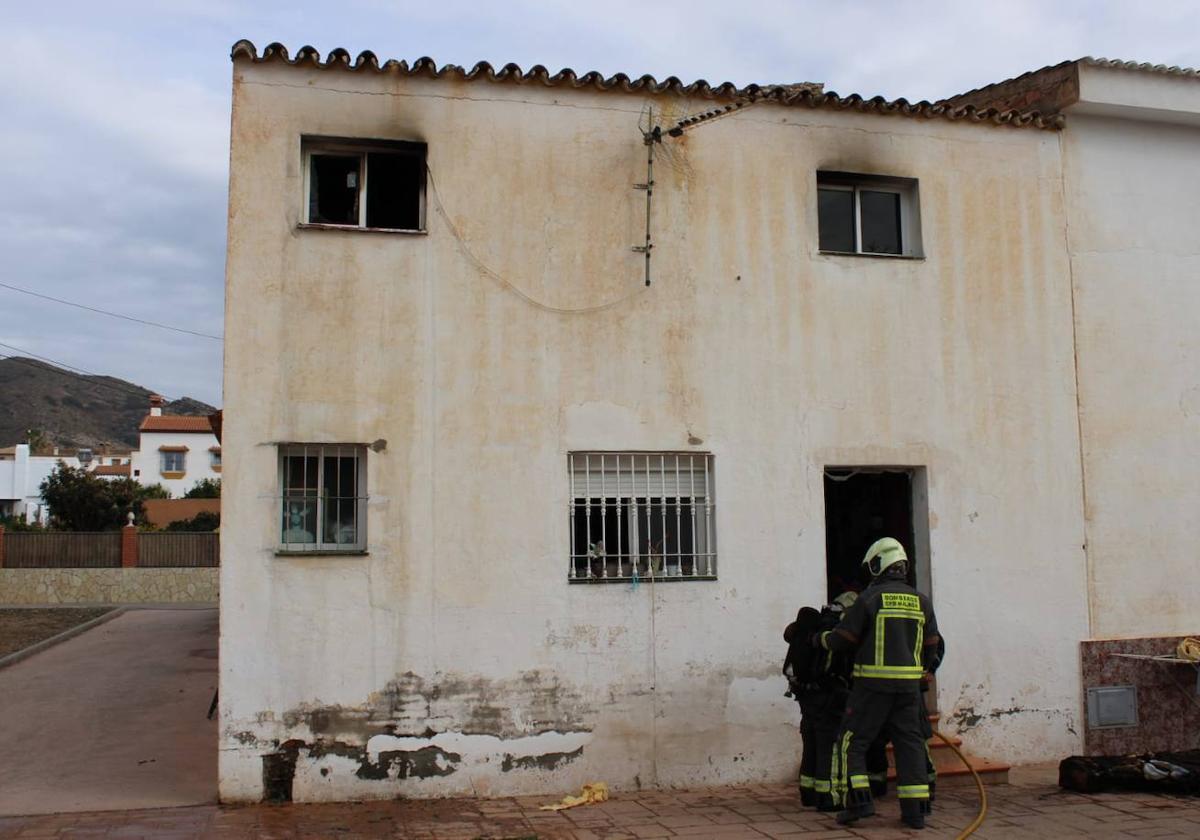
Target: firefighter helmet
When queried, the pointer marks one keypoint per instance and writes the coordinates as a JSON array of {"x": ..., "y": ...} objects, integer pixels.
[{"x": 884, "y": 554}]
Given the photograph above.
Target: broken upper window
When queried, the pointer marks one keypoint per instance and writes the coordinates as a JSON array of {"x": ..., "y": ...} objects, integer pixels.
[
  {"x": 637, "y": 515},
  {"x": 377, "y": 185},
  {"x": 323, "y": 494},
  {"x": 863, "y": 214}
]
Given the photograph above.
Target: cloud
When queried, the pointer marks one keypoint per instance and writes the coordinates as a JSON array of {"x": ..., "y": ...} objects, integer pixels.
[{"x": 174, "y": 121}]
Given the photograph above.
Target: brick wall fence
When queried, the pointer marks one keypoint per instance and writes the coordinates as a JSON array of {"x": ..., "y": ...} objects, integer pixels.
[{"x": 124, "y": 567}]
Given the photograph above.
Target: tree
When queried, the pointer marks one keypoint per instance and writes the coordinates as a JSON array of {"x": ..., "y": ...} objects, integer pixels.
[
  {"x": 82, "y": 501},
  {"x": 203, "y": 521},
  {"x": 155, "y": 491},
  {"x": 205, "y": 488},
  {"x": 37, "y": 440},
  {"x": 18, "y": 523}
]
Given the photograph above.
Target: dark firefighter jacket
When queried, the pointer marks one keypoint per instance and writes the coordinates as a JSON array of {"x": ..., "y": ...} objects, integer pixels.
[{"x": 892, "y": 632}]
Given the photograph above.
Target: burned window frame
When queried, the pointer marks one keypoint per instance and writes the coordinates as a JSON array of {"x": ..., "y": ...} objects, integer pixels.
[
  {"x": 907, "y": 189},
  {"x": 360, "y": 148},
  {"x": 319, "y": 499},
  {"x": 626, "y": 493}
]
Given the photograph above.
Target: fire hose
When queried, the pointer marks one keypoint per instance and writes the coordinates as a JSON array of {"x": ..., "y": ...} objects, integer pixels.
[{"x": 983, "y": 804}]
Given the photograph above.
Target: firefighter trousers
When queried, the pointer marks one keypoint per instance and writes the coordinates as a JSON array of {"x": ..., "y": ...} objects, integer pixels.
[
  {"x": 868, "y": 713},
  {"x": 822, "y": 715}
]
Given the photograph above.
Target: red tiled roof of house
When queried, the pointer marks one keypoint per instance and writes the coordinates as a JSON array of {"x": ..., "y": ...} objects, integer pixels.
[
  {"x": 175, "y": 423},
  {"x": 122, "y": 470}
]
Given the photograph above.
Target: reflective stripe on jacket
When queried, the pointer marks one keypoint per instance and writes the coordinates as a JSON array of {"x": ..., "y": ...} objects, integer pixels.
[{"x": 893, "y": 631}]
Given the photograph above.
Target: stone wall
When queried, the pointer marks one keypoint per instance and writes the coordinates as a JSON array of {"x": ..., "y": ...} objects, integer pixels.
[
  {"x": 108, "y": 586},
  {"x": 1167, "y": 714}
]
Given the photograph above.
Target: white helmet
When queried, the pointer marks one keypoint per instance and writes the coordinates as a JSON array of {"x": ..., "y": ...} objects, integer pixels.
[{"x": 884, "y": 554}]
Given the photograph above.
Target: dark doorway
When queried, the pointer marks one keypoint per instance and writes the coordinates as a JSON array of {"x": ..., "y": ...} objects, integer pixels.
[{"x": 863, "y": 504}]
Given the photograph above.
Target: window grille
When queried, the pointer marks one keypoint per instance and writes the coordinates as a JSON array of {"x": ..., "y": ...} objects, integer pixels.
[
  {"x": 322, "y": 497},
  {"x": 641, "y": 515}
]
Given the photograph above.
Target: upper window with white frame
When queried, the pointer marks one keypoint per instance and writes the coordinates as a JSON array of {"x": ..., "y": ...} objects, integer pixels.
[
  {"x": 868, "y": 214},
  {"x": 641, "y": 515},
  {"x": 173, "y": 461},
  {"x": 364, "y": 184},
  {"x": 323, "y": 494}
]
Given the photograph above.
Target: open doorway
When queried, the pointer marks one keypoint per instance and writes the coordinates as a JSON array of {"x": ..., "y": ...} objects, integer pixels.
[{"x": 863, "y": 504}]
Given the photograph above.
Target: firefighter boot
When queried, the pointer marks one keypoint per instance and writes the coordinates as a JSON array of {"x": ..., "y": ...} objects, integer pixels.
[
  {"x": 808, "y": 796},
  {"x": 858, "y": 805},
  {"x": 912, "y": 812}
]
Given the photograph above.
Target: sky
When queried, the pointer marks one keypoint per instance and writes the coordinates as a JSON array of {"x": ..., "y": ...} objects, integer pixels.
[{"x": 114, "y": 139}]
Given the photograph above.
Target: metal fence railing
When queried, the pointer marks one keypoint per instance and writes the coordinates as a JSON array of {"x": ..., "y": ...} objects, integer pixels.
[
  {"x": 62, "y": 550},
  {"x": 179, "y": 549}
]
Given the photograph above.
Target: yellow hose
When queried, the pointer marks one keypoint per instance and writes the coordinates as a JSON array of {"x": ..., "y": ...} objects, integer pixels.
[
  {"x": 978, "y": 821},
  {"x": 1189, "y": 649}
]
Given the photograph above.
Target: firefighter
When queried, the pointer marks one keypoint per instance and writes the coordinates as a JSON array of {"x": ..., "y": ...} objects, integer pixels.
[
  {"x": 799, "y": 668},
  {"x": 828, "y": 703},
  {"x": 892, "y": 632},
  {"x": 819, "y": 681}
]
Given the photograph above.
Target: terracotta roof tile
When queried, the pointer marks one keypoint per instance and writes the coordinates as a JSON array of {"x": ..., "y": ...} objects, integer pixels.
[
  {"x": 175, "y": 423},
  {"x": 979, "y": 94},
  {"x": 808, "y": 95},
  {"x": 113, "y": 469}
]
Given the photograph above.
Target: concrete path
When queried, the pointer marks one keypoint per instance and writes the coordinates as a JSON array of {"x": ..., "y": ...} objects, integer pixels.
[
  {"x": 113, "y": 718},
  {"x": 1028, "y": 811}
]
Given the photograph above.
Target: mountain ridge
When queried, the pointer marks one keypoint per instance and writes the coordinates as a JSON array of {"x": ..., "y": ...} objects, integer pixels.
[{"x": 74, "y": 409}]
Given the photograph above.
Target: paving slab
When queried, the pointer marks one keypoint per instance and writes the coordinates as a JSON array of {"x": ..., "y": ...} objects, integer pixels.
[
  {"x": 113, "y": 719},
  {"x": 1038, "y": 808}
]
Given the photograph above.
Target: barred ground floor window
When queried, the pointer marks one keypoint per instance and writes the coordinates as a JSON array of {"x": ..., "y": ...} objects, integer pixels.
[
  {"x": 323, "y": 494},
  {"x": 636, "y": 515}
]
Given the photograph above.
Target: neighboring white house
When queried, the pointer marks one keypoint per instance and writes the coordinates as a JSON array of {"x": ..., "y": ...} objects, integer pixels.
[
  {"x": 175, "y": 450},
  {"x": 22, "y": 473},
  {"x": 21, "y": 477}
]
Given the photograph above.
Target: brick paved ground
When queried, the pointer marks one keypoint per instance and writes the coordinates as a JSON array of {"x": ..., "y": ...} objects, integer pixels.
[{"x": 1023, "y": 810}]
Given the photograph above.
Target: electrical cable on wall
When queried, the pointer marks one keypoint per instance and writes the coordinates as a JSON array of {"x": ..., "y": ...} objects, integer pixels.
[{"x": 485, "y": 270}]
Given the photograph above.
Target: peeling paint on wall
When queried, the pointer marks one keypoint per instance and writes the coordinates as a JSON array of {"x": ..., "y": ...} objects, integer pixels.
[{"x": 398, "y": 734}]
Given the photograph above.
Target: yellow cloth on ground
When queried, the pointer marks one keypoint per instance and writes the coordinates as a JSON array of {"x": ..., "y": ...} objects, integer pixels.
[{"x": 592, "y": 793}]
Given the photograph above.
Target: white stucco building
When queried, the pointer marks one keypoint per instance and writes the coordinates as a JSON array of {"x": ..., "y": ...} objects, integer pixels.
[
  {"x": 21, "y": 477},
  {"x": 513, "y": 507},
  {"x": 175, "y": 450},
  {"x": 22, "y": 473}
]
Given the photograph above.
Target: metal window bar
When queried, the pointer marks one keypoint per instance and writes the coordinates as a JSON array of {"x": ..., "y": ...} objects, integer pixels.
[
  {"x": 709, "y": 544},
  {"x": 571, "y": 518},
  {"x": 637, "y": 496},
  {"x": 603, "y": 520}
]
